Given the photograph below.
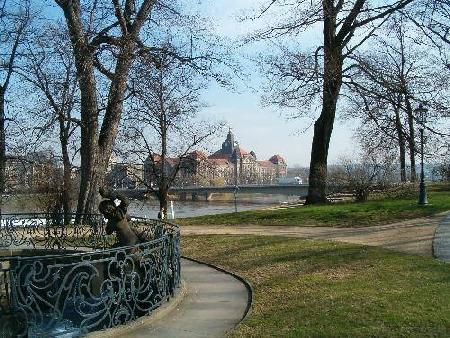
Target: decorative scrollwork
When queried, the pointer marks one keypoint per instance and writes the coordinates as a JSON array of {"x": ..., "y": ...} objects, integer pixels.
[{"x": 67, "y": 279}]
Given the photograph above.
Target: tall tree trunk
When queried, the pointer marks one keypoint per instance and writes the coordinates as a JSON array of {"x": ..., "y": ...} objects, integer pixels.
[
  {"x": 67, "y": 180},
  {"x": 89, "y": 149},
  {"x": 163, "y": 180},
  {"x": 163, "y": 201},
  {"x": 110, "y": 125},
  {"x": 2, "y": 146},
  {"x": 401, "y": 144},
  {"x": 323, "y": 127},
  {"x": 409, "y": 111},
  {"x": 96, "y": 149},
  {"x": 67, "y": 183},
  {"x": 411, "y": 139},
  {"x": 84, "y": 63}
]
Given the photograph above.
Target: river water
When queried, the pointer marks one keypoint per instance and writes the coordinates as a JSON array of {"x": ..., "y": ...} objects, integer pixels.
[
  {"x": 189, "y": 209},
  {"x": 184, "y": 209},
  {"x": 181, "y": 209}
]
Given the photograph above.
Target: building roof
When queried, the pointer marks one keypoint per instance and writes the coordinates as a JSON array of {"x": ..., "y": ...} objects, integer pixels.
[
  {"x": 219, "y": 155},
  {"x": 226, "y": 155},
  {"x": 267, "y": 164},
  {"x": 197, "y": 154},
  {"x": 157, "y": 158},
  {"x": 241, "y": 151},
  {"x": 219, "y": 161},
  {"x": 277, "y": 159}
]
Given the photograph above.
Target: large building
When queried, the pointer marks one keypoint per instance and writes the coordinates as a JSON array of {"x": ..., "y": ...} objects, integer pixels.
[{"x": 229, "y": 165}]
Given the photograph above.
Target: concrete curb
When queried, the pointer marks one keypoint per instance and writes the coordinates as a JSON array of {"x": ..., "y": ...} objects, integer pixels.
[
  {"x": 144, "y": 321},
  {"x": 247, "y": 285},
  {"x": 441, "y": 240}
]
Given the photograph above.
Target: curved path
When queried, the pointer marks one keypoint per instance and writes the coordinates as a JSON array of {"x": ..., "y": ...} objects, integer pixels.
[
  {"x": 441, "y": 242},
  {"x": 411, "y": 236},
  {"x": 214, "y": 304}
]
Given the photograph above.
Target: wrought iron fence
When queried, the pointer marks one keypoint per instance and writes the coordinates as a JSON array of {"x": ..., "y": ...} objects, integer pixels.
[{"x": 57, "y": 278}]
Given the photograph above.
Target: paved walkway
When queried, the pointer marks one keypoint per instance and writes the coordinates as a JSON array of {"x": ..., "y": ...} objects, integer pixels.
[
  {"x": 412, "y": 236},
  {"x": 441, "y": 243},
  {"x": 214, "y": 304}
]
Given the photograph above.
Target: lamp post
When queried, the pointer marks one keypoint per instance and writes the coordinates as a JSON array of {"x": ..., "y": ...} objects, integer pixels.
[
  {"x": 236, "y": 181},
  {"x": 421, "y": 112}
]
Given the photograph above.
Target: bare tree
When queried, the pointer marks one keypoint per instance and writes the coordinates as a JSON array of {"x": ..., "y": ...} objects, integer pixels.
[
  {"x": 119, "y": 35},
  {"x": 432, "y": 18},
  {"x": 107, "y": 36},
  {"x": 308, "y": 78},
  {"x": 50, "y": 69},
  {"x": 15, "y": 21},
  {"x": 163, "y": 127},
  {"x": 388, "y": 82},
  {"x": 382, "y": 128},
  {"x": 374, "y": 170},
  {"x": 442, "y": 171}
]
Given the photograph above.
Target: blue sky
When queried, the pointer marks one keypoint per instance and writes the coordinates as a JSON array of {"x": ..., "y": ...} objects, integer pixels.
[{"x": 264, "y": 130}]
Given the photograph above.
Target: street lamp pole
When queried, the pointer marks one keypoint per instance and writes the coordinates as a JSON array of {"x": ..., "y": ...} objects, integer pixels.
[
  {"x": 236, "y": 182},
  {"x": 423, "y": 199}
]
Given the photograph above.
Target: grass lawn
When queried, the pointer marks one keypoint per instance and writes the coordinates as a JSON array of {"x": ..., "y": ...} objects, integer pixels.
[
  {"x": 325, "y": 289},
  {"x": 373, "y": 212}
]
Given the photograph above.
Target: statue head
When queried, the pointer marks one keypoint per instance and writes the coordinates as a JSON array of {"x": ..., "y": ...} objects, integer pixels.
[{"x": 109, "y": 210}]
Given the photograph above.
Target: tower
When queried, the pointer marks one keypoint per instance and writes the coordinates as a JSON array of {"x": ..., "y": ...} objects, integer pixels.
[{"x": 229, "y": 144}]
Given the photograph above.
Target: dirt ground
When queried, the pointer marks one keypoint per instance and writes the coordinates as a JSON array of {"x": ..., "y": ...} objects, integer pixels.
[{"x": 411, "y": 236}]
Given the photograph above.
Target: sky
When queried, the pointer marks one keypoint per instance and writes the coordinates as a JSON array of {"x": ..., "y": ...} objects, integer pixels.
[{"x": 264, "y": 130}]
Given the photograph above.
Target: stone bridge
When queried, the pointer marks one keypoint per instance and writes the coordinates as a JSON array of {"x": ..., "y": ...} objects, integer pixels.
[{"x": 206, "y": 193}]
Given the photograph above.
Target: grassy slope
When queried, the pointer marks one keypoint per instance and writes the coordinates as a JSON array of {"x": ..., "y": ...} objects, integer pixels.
[
  {"x": 373, "y": 212},
  {"x": 324, "y": 289}
]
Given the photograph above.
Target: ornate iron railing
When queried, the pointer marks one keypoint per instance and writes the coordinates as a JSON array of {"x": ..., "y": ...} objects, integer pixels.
[{"x": 57, "y": 278}]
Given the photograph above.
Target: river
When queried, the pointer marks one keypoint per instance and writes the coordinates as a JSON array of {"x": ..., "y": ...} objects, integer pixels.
[
  {"x": 184, "y": 209},
  {"x": 150, "y": 208}
]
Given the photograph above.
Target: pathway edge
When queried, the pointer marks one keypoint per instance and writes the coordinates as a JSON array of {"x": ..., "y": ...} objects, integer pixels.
[
  {"x": 247, "y": 284},
  {"x": 441, "y": 241}
]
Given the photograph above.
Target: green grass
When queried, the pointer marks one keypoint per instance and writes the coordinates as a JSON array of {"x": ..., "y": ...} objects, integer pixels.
[
  {"x": 373, "y": 212},
  {"x": 324, "y": 289}
]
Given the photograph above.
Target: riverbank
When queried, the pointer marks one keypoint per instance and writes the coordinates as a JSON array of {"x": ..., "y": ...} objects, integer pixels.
[{"x": 350, "y": 215}]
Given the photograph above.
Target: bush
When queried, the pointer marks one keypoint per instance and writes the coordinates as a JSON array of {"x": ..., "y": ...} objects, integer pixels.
[
  {"x": 399, "y": 191},
  {"x": 371, "y": 173}
]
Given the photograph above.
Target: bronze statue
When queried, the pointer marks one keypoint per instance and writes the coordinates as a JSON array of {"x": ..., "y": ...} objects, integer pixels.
[{"x": 117, "y": 218}]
